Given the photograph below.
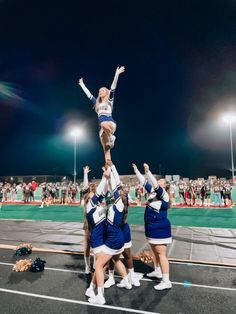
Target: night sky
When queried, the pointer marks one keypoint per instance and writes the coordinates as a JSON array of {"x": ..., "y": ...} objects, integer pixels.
[{"x": 180, "y": 59}]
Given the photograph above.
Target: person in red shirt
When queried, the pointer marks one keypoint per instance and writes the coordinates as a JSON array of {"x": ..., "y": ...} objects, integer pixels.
[
  {"x": 33, "y": 188},
  {"x": 34, "y": 185}
]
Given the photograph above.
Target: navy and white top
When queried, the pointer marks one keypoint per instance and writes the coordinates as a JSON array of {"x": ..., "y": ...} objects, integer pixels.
[
  {"x": 126, "y": 233},
  {"x": 104, "y": 109},
  {"x": 115, "y": 215},
  {"x": 95, "y": 215},
  {"x": 157, "y": 225}
]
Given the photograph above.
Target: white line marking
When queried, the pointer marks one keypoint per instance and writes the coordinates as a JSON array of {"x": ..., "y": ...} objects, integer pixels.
[
  {"x": 171, "y": 262},
  {"x": 202, "y": 286},
  {"x": 7, "y": 264},
  {"x": 203, "y": 265},
  {"x": 41, "y": 296},
  {"x": 143, "y": 279},
  {"x": 195, "y": 285},
  {"x": 65, "y": 270},
  {"x": 54, "y": 269}
]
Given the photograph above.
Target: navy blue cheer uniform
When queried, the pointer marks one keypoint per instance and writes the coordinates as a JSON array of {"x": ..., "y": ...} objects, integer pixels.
[
  {"x": 127, "y": 236},
  {"x": 157, "y": 225},
  {"x": 95, "y": 215},
  {"x": 105, "y": 108},
  {"x": 114, "y": 239}
]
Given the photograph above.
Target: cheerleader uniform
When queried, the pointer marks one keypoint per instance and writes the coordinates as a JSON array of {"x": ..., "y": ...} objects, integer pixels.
[
  {"x": 157, "y": 225},
  {"x": 104, "y": 109},
  {"x": 126, "y": 232},
  {"x": 127, "y": 236},
  {"x": 95, "y": 215},
  {"x": 125, "y": 227},
  {"x": 114, "y": 239}
]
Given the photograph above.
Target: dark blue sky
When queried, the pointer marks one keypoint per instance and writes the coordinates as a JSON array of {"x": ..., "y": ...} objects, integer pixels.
[{"x": 180, "y": 60}]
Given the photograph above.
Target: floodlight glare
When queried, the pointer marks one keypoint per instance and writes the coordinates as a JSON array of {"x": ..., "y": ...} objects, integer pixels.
[
  {"x": 76, "y": 132},
  {"x": 229, "y": 117}
]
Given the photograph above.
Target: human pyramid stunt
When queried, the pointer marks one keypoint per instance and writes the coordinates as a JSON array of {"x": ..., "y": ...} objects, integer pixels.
[{"x": 106, "y": 230}]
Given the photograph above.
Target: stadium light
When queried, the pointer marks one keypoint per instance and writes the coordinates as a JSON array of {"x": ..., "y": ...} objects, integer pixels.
[
  {"x": 76, "y": 133},
  {"x": 229, "y": 118}
]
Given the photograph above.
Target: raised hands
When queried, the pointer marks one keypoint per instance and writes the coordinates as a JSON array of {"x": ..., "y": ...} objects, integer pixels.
[
  {"x": 120, "y": 70},
  {"x": 146, "y": 167},
  {"x": 109, "y": 163},
  {"x": 107, "y": 173},
  {"x": 86, "y": 169},
  {"x": 81, "y": 81}
]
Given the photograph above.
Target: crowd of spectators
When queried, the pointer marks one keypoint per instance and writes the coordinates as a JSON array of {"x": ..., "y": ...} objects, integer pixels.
[
  {"x": 198, "y": 192},
  {"x": 59, "y": 192}
]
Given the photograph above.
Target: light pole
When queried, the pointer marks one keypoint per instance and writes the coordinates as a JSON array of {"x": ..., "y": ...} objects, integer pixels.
[
  {"x": 75, "y": 133},
  {"x": 229, "y": 119}
]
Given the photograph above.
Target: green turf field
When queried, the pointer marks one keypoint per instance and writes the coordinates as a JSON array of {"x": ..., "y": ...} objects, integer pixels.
[{"x": 195, "y": 217}]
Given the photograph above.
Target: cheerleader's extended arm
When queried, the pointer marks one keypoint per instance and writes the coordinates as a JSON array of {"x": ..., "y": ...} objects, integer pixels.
[
  {"x": 114, "y": 187},
  {"x": 152, "y": 180},
  {"x": 119, "y": 70},
  {"x": 142, "y": 179},
  {"x": 116, "y": 175},
  {"x": 86, "y": 91},
  {"x": 159, "y": 190},
  {"x": 99, "y": 191},
  {"x": 85, "y": 182}
]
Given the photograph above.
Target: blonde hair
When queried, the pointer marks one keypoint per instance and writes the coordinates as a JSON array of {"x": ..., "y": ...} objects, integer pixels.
[{"x": 99, "y": 99}]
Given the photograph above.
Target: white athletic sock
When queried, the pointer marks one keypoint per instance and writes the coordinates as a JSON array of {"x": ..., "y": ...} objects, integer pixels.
[
  {"x": 165, "y": 277},
  {"x": 101, "y": 291},
  {"x": 131, "y": 271},
  {"x": 157, "y": 269},
  {"x": 126, "y": 278},
  {"x": 92, "y": 285},
  {"x": 111, "y": 273},
  {"x": 87, "y": 261}
]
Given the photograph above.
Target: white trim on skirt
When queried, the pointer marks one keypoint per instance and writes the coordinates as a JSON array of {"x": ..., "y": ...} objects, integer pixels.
[
  {"x": 128, "y": 245},
  {"x": 98, "y": 249},
  {"x": 110, "y": 251},
  {"x": 159, "y": 241}
]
